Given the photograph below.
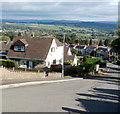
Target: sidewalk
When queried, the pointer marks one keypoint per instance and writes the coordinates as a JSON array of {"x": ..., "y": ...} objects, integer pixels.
[{"x": 18, "y": 83}]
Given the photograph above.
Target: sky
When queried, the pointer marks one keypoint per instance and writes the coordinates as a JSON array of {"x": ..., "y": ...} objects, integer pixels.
[{"x": 82, "y": 10}]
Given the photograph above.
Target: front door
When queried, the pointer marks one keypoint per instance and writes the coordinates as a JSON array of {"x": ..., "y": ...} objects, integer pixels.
[{"x": 30, "y": 64}]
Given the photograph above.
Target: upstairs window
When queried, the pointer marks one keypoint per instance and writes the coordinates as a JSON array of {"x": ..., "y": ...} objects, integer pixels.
[
  {"x": 19, "y": 48},
  {"x": 53, "y": 49}
]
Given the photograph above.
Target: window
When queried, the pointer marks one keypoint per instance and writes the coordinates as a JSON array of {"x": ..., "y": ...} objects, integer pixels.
[
  {"x": 54, "y": 61},
  {"x": 53, "y": 49},
  {"x": 19, "y": 48}
]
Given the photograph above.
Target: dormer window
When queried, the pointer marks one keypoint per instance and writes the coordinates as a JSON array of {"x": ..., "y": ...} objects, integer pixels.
[
  {"x": 19, "y": 48},
  {"x": 20, "y": 45}
]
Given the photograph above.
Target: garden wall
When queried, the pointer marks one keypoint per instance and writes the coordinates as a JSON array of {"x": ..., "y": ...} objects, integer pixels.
[{"x": 13, "y": 75}]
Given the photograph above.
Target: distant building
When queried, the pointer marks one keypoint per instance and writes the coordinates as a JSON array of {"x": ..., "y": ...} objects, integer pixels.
[
  {"x": 106, "y": 53},
  {"x": 4, "y": 48},
  {"x": 81, "y": 49},
  {"x": 112, "y": 55},
  {"x": 90, "y": 49},
  {"x": 68, "y": 56},
  {"x": 102, "y": 52}
]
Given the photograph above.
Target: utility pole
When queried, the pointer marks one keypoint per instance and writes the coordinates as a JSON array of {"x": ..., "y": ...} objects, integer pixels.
[{"x": 63, "y": 56}]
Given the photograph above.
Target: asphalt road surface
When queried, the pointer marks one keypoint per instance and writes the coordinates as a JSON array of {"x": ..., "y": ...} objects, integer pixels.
[{"x": 93, "y": 94}]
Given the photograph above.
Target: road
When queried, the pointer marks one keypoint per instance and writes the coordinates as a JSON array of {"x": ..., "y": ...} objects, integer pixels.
[{"x": 96, "y": 94}]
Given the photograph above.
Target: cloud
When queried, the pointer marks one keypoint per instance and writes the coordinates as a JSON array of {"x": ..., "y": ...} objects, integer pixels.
[
  {"x": 112, "y": 1},
  {"x": 106, "y": 11}
]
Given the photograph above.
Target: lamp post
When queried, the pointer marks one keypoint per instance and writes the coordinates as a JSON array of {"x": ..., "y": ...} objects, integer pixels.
[{"x": 63, "y": 56}]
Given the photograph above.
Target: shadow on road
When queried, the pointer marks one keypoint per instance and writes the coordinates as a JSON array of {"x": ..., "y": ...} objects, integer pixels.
[
  {"x": 103, "y": 100},
  {"x": 72, "y": 110},
  {"x": 113, "y": 68},
  {"x": 114, "y": 80}
]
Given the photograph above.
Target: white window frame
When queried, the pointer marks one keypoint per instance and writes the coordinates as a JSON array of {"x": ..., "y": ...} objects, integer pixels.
[{"x": 19, "y": 48}]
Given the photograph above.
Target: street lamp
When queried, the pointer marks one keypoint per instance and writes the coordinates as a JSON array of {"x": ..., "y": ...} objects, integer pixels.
[{"x": 63, "y": 56}]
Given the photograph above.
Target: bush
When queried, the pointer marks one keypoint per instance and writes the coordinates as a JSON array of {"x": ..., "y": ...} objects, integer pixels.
[
  {"x": 89, "y": 67},
  {"x": 56, "y": 68},
  {"x": 8, "y": 63},
  {"x": 90, "y": 62},
  {"x": 72, "y": 70},
  {"x": 103, "y": 64},
  {"x": 118, "y": 62}
]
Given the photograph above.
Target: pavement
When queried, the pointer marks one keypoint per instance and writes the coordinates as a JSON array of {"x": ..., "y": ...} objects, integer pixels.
[{"x": 13, "y": 84}]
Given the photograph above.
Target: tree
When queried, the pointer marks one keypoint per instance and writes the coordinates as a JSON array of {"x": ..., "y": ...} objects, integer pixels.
[
  {"x": 90, "y": 43},
  {"x": 76, "y": 41},
  {"x": 5, "y": 38},
  {"x": 107, "y": 42},
  {"x": 19, "y": 34},
  {"x": 82, "y": 42},
  {"x": 100, "y": 43},
  {"x": 74, "y": 51},
  {"x": 116, "y": 43},
  {"x": 86, "y": 42},
  {"x": 11, "y": 35}
]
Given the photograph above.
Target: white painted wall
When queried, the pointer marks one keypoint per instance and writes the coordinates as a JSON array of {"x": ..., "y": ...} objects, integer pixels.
[
  {"x": 75, "y": 60},
  {"x": 56, "y": 55},
  {"x": 69, "y": 52}
]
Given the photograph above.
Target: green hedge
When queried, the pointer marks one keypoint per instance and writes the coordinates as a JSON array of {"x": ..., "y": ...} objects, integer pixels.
[
  {"x": 73, "y": 71},
  {"x": 56, "y": 68},
  {"x": 90, "y": 62},
  {"x": 8, "y": 63}
]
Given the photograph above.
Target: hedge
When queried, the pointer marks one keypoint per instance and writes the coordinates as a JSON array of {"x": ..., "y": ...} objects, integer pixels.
[
  {"x": 8, "y": 63},
  {"x": 73, "y": 71},
  {"x": 56, "y": 68},
  {"x": 90, "y": 62}
]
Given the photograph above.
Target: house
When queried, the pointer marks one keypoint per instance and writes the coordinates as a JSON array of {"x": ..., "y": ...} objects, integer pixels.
[
  {"x": 89, "y": 50},
  {"x": 107, "y": 53},
  {"x": 4, "y": 47},
  {"x": 69, "y": 57},
  {"x": 112, "y": 55},
  {"x": 80, "y": 49},
  {"x": 32, "y": 52},
  {"x": 71, "y": 46},
  {"x": 102, "y": 52}
]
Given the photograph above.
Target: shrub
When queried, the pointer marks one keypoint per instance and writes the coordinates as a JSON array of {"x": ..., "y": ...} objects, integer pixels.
[
  {"x": 8, "y": 63},
  {"x": 72, "y": 70},
  {"x": 56, "y": 68},
  {"x": 89, "y": 67},
  {"x": 90, "y": 62}
]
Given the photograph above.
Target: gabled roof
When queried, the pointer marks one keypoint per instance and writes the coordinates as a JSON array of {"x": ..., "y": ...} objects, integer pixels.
[
  {"x": 71, "y": 45},
  {"x": 5, "y": 46},
  {"x": 91, "y": 47},
  {"x": 21, "y": 42},
  {"x": 66, "y": 56},
  {"x": 80, "y": 47},
  {"x": 37, "y": 48},
  {"x": 57, "y": 41},
  {"x": 104, "y": 48}
]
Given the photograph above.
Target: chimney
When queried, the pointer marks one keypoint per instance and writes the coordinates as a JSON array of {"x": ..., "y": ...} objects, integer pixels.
[{"x": 33, "y": 35}]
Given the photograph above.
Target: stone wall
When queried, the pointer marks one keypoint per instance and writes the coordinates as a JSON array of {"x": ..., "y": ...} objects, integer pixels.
[{"x": 16, "y": 75}]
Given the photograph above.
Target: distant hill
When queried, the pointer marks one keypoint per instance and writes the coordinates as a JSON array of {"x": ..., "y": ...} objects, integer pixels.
[{"x": 100, "y": 25}]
